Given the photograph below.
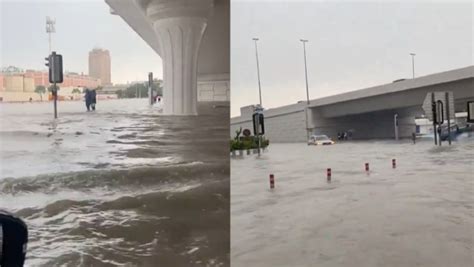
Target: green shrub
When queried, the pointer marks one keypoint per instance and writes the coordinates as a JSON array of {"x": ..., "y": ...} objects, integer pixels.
[{"x": 249, "y": 142}]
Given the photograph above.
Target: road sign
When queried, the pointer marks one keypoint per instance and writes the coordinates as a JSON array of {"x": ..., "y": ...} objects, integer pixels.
[
  {"x": 246, "y": 132},
  {"x": 439, "y": 96}
]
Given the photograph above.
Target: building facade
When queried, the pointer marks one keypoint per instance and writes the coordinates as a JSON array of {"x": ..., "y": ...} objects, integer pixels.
[
  {"x": 18, "y": 83},
  {"x": 20, "y": 86},
  {"x": 69, "y": 79},
  {"x": 99, "y": 65}
]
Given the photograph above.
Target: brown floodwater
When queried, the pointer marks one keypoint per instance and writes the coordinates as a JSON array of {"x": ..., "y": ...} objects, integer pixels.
[
  {"x": 122, "y": 186},
  {"x": 420, "y": 213}
]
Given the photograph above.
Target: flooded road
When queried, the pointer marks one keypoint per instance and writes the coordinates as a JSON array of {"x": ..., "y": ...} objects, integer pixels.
[
  {"x": 418, "y": 214},
  {"x": 122, "y": 186}
]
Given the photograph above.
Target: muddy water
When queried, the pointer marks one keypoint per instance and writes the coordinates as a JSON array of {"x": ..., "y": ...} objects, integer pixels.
[
  {"x": 418, "y": 214},
  {"x": 122, "y": 186}
]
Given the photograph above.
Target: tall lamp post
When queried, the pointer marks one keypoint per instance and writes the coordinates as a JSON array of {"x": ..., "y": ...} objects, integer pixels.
[
  {"x": 259, "y": 109},
  {"x": 258, "y": 72},
  {"x": 307, "y": 90},
  {"x": 50, "y": 28},
  {"x": 413, "y": 63}
]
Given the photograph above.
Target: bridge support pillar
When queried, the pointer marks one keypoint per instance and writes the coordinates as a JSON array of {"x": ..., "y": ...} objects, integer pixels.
[{"x": 179, "y": 27}]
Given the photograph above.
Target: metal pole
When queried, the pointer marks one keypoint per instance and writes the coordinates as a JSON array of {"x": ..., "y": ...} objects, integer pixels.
[
  {"x": 150, "y": 88},
  {"x": 395, "y": 122},
  {"x": 413, "y": 63},
  {"x": 307, "y": 90},
  {"x": 49, "y": 34},
  {"x": 258, "y": 132},
  {"x": 55, "y": 92},
  {"x": 50, "y": 29},
  {"x": 449, "y": 120},
  {"x": 258, "y": 73},
  {"x": 306, "y": 70},
  {"x": 434, "y": 119}
]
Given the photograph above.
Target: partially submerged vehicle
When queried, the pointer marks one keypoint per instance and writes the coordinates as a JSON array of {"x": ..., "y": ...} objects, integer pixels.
[{"x": 319, "y": 140}]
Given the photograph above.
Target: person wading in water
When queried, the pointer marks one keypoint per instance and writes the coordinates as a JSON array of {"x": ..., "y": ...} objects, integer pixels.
[
  {"x": 93, "y": 99},
  {"x": 88, "y": 98}
]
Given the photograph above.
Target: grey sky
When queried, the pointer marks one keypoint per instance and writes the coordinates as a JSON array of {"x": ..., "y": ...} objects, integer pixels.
[
  {"x": 80, "y": 26},
  {"x": 352, "y": 45}
]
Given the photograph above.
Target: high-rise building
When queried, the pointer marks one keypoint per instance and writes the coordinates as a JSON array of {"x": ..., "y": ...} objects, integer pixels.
[{"x": 99, "y": 65}]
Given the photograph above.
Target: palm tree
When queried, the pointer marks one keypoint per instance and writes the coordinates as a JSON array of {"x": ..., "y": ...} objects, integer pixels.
[{"x": 40, "y": 89}]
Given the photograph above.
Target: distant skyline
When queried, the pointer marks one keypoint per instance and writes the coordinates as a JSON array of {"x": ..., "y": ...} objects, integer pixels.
[
  {"x": 352, "y": 45},
  {"x": 80, "y": 27}
]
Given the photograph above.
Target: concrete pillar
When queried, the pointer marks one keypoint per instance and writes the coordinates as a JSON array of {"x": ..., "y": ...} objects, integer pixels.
[{"x": 179, "y": 26}]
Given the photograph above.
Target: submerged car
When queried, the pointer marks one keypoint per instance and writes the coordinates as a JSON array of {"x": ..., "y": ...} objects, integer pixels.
[{"x": 320, "y": 140}]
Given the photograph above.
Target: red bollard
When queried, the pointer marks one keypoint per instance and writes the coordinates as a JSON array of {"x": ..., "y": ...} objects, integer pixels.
[
  {"x": 272, "y": 181},
  {"x": 329, "y": 174},
  {"x": 394, "y": 163},
  {"x": 366, "y": 167}
]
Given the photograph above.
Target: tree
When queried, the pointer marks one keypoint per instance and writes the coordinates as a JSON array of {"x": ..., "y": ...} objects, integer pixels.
[
  {"x": 76, "y": 91},
  {"x": 140, "y": 90},
  {"x": 40, "y": 89},
  {"x": 50, "y": 88},
  {"x": 156, "y": 86}
]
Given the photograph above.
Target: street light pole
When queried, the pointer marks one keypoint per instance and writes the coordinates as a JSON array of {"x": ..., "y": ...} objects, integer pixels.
[
  {"x": 50, "y": 28},
  {"x": 258, "y": 72},
  {"x": 305, "y": 69},
  {"x": 307, "y": 90},
  {"x": 413, "y": 63}
]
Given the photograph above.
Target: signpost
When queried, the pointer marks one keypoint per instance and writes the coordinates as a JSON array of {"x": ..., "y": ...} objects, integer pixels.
[
  {"x": 54, "y": 62},
  {"x": 438, "y": 107},
  {"x": 258, "y": 124}
]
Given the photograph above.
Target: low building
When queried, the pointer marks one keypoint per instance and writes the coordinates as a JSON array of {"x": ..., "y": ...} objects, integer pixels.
[
  {"x": 17, "y": 85},
  {"x": 69, "y": 79}
]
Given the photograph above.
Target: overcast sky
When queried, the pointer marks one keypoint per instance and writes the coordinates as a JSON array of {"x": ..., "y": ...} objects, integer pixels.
[
  {"x": 352, "y": 45},
  {"x": 80, "y": 26}
]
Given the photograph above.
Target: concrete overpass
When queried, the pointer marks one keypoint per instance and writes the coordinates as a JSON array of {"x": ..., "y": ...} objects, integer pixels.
[
  {"x": 193, "y": 39},
  {"x": 368, "y": 112}
]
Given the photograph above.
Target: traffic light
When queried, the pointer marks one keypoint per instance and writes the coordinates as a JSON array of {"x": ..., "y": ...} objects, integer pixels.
[
  {"x": 258, "y": 124},
  {"x": 439, "y": 112},
  {"x": 470, "y": 111},
  {"x": 47, "y": 64},
  {"x": 55, "y": 65},
  {"x": 433, "y": 110}
]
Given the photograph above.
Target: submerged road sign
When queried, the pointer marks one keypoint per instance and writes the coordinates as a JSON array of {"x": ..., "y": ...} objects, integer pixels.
[{"x": 439, "y": 96}]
